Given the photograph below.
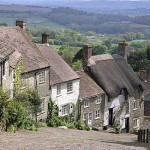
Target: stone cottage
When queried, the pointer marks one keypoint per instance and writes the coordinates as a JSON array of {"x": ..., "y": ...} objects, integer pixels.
[
  {"x": 91, "y": 102},
  {"x": 123, "y": 103},
  {"x": 43, "y": 71}
]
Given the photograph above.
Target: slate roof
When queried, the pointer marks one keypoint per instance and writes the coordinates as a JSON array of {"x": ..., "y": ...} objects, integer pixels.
[
  {"x": 113, "y": 73},
  {"x": 60, "y": 71},
  {"x": 16, "y": 39},
  {"x": 88, "y": 87}
]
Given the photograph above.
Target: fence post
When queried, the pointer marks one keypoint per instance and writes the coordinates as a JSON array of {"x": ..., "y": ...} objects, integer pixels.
[
  {"x": 144, "y": 136},
  {"x": 141, "y": 136},
  {"x": 139, "y": 132},
  {"x": 147, "y": 136}
]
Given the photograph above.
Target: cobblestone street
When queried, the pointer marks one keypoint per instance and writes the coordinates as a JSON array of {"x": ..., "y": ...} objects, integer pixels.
[{"x": 61, "y": 139}]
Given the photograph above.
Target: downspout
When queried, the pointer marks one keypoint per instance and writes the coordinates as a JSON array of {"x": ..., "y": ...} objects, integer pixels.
[
  {"x": 1, "y": 75},
  {"x": 36, "y": 89}
]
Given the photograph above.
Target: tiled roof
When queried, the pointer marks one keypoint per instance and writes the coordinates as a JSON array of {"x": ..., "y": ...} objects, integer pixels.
[
  {"x": 16, "y": 39},
  {"x": 88, "y": 87},
  {"x": 60, "y": 71}
]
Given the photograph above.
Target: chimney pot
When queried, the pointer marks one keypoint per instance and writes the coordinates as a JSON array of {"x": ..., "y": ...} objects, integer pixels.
[
  {"x": 87, "y": 52},
  {"x": 21, "y": 24},
  {"x": 45, "y": 38},
  {"x": 122, "y": 49}
]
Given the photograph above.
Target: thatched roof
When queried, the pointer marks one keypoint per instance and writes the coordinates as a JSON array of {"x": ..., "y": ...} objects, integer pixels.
[
  {"x": 60, "y": 71},
  {"x": 15, "y": 39},
  {"x": 113, "y": 73},
  {"x": 88, "y": 87}
]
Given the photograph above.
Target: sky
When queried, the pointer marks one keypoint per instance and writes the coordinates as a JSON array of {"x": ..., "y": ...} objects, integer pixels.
[{"x": 39, "y": 2}]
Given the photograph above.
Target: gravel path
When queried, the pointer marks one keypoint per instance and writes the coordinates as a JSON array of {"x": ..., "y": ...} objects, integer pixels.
[{"x": 61, "y": 139}]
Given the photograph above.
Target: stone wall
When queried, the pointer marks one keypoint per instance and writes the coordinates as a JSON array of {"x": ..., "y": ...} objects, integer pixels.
[
  {"x": 146, "y": 124},
  {"x": 137, "y": 113},
  {"x": 97, "y": 123}
]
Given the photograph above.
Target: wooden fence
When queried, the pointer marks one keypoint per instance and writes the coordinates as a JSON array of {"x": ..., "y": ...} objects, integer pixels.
[{"x": 144, "y": 136}]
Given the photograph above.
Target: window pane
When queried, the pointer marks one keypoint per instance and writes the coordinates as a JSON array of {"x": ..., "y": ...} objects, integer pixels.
[{"x": 42, "y": 76}]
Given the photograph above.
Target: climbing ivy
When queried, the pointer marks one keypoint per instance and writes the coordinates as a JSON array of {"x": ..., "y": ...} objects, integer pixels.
[{"x": 17, "y": 76}]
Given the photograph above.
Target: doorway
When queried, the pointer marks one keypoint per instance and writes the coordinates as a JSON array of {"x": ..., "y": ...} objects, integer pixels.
[
  {"x": 110, "y": 116},
  {"x": 127, "y": 124}
]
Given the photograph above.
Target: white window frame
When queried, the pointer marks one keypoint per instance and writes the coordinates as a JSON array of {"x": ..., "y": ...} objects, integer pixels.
[
  {"x": 136, "y": 123},
  {"x": 42, "y": 77},
  {"x": 58, "y": 92},
  {"x": 97, "y": 114},
  {"x": 69, "y": 87},
  {"x": 135, "y": 104},
  {"x": 64, "y": 110},
  {"x": 86, "y": 103},
  {"x": 98, "y": 99}
]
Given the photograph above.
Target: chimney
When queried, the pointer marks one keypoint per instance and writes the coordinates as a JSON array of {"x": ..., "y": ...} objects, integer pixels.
[
  {"x": 45, "y": 38},
  {"x": 122, "y": 49},
  {"x": 21, "y": 24},
  {"x": 87, "y": 52},
  {"x": 143, "y": 75}
]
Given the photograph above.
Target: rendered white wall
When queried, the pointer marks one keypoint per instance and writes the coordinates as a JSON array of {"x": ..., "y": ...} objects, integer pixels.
[
  {"x": 115, "y": 103},
  {"x": 64, "y": 97}
]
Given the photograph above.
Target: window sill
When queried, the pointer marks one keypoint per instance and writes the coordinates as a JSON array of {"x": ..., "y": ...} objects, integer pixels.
[
  {"x": 135, "y": 108},
  {"x": 98, "y": 103},
  {"x": 97, "y": 118},
  {"x": 58, "y": 95},
  {"x": 42, "y": 82},
  {"x": 69, "y": 92},
  {"x": 86, "y": 106}
]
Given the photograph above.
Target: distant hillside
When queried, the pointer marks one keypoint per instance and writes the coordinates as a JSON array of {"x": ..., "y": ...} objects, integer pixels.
[
  {"x": 82, "y": 21},
  {"x": 88, "y": 5}
]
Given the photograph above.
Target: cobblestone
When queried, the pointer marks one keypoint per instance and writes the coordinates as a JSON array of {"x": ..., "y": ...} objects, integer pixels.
[{"x": 62, "y": 139}]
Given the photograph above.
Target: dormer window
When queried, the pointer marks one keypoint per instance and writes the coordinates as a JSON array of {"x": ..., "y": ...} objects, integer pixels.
[
  {"x": 86, "y": 103},
  {"x": 58, "y": 89},
  {"x": 42, "y": 77},
  {"x": 98, "y": 99},
  {"x": 69, "y": 87}
]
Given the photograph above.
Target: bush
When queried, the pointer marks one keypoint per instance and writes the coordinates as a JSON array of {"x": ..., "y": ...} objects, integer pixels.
[
  {"x": 29, "y": 124},
  {"x": 54, "y": 122},
  {"x": 79, "y": 125},
  {"x": 11, "y": 128}
]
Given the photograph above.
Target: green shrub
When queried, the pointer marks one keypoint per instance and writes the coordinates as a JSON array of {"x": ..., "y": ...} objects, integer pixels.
[
  {"x": 11, "y": 128},
  {"x": 54, "y": 122},
  {"x": 41, "y": 124},
  {"x": 29, "y": 124}
]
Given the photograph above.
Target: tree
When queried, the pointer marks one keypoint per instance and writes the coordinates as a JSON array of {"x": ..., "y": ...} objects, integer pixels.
[
  {"x": 30, "y": 100},
  {"x": 147, "y": 50},
  {"x": 100, "y": 49},
  {"x": 4, "y": 102},
  {"x": 138, "y": 60}
]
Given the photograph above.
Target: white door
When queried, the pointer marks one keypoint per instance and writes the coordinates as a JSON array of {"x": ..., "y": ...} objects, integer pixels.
[{"x": 90, "y": 119}]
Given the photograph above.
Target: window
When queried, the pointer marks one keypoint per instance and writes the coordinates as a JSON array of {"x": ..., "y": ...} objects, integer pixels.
[
  {"x": 69, "y": 87},
  {"x": 42, "y": 107},
  {"x": 86, "y": 103},
  {"x": 85, "y": 116},
  {"x": 42, "y": 77},
  {"x": 90, "y": 116},
  {"x": 66, "y": 109},
  {"x": 58, "y": 89},
  {"x": 136, "y": 122},
  {"x": 97, "y": 114},
  {"x": 98, "y": 99},
  {"x": 135, "y": 104}
]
